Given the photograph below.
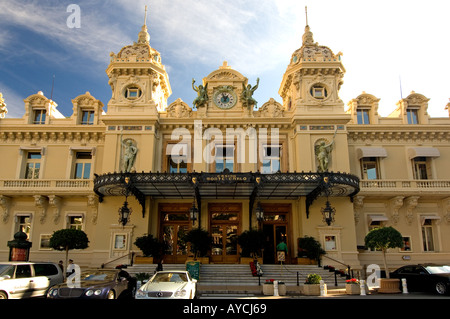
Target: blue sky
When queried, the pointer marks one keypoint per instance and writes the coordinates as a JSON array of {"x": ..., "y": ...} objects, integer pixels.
[{"x": 384, "y": 43}]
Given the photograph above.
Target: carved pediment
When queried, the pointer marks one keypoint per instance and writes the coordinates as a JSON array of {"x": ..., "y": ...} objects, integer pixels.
[
  {"x": 271, "y": 109},
  {"x": 179, "y": 109}
]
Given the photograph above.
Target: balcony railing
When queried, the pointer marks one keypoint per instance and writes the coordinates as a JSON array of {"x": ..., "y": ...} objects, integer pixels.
[
  {"x": 14, "y": 186},
  {"x": 405, "y": 185}
]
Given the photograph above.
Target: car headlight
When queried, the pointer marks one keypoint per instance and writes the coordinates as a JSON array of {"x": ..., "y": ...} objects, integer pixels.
[
  {"x": 140, "y": 294},
  {"x": 96, "y": 292},
  {"x": 180, "y": 293},
  {"x": 52, "y": 293}
]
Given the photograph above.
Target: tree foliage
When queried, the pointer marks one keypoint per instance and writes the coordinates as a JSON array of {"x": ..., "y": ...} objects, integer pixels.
[
  {"x": 149, "y": 245},
  {"x": 310, "y": 247},
  {"x": 68, "y": 239},
  {"x": 251, "y": 242},
  {"x": 200, "y": 241},
  {"x": 383, "y": 238}
]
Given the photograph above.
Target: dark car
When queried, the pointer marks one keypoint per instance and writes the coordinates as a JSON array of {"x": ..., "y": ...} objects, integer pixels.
[
  {"x": 96, "y": 284},
  {"x": 430, "y": 277}
]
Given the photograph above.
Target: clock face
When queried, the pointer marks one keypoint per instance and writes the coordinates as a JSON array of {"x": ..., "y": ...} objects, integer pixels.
[{"x": 225, "y": 99}]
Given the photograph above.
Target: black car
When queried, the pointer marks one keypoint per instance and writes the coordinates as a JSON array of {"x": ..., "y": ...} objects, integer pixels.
[
  {"x": 96, "y": 284},
  {"x": 429, "y": 277}
]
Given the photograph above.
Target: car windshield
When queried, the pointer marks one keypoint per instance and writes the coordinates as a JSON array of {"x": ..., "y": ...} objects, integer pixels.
[
  {"x": 97, "y": 275},
  {"x": 438, "y": 269},
  {"x": 6, "y": 270},
  {"x": 170, "y": 277}
]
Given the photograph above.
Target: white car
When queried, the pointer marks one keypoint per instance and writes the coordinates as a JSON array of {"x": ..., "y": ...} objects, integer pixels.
[
  {"x": 28, "y": 279},
  {"x": 169, "y": 285}
]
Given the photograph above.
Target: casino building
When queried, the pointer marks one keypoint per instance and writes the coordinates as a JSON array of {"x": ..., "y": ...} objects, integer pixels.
[{"x": 219, "y": 161}]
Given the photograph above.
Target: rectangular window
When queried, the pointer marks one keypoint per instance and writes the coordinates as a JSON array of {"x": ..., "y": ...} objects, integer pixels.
[
  {"x": 362, "y": 116},
  {"x": 406, "y": 244},
  {"x": 224, "y": 158},
  {"x": 33, "y": 165},
  {"x": 271, "y": 159},
  {"x": 87, "y": 117},
  {"x": 24, "y": 224},
  {"x": 370, "y": 168},
  {"x": 83, "y": 165},
  {"x": 39, "y": 116},
  {"x": 421, "y": 167},
  {"x": 427, "y": 235},
  {"x": 412, "y": 115},
  {"x": 75, "y": 222}
]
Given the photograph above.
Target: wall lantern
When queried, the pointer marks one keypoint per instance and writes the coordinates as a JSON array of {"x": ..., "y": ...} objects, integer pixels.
[
  {"x": 259, "y": 213},
  {"x": 124, "y": 213},
  {"x": 193, "y": 212},
  {"x": 328, "y": 213}
]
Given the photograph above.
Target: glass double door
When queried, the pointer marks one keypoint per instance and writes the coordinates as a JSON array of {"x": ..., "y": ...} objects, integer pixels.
[{"x": 224, "y": 229}]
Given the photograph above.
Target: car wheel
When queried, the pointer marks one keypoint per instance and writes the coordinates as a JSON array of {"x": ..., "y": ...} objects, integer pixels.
[
  {"x": 441, "y": 288},
  {"x": 3, "y": 295},
  {"x": 110, "y": 295}
]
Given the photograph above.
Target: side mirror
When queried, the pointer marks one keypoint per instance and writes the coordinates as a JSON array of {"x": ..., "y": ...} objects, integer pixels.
[
  {"x": 194, "y": 281},
  {"x": 5, "y": 277}
]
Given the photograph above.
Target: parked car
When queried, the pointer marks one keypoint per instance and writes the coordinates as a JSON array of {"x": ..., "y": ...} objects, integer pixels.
[
  {"x": 28, "y": 279},
  {"x": 429, "y": 277},
  {"x": 96, "y": 284},
  {"x": 169, "y": 285}
]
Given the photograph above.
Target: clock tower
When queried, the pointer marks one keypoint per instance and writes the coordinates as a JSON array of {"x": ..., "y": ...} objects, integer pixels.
[{"x": 225, "y": 92}]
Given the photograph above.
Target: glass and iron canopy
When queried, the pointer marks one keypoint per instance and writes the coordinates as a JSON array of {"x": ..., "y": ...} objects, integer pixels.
[{"x": 227, "y": 185}]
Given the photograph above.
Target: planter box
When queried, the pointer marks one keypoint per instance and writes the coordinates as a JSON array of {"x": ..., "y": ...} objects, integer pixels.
[
  {"x": 143, "y": 260},
  {"x": 352, "y": 289},
  {"x": 311, "y": 289},
  {"x": 389, "y": 286},
  {"x": 268, "y": 289},
  {"x": 305, "y": 261}
]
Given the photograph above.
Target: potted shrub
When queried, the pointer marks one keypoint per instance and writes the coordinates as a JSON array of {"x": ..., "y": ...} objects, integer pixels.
[
  {"x": 150, "y": 247},
  {"x": 312, "y": 285},
  {"x": 309, "y": 251},
  {"x": 382, "y": 239},
  {"x": 251, "y": 242},
  {"x": 200, "y": 242}
]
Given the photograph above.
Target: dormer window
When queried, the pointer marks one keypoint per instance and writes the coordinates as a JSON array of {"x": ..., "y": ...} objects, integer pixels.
[
  {"x": 39, "y": 116},
  {"x": 87, "y": 117},
  {"x": 362, "y": 115},
  {"x": 412, "y": 115}
]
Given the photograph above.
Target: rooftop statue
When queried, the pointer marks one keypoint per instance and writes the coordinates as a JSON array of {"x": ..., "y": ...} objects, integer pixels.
[
  {"x": 202, "y": 95},
  {"x": 247, "y": 94},
  {"x": 3, "y": 109}
]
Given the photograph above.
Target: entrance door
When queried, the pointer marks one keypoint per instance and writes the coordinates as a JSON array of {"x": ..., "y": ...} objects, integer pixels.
[
  {"x": 224, "y": 226},
  {"x": 174, "y": 223},
  {"x": 276, "y": 229}
]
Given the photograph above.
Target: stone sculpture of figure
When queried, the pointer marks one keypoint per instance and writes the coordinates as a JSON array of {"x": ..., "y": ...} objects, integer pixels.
[
  {"x": 3, "y": 109},
  {"x": 323, "y": 153},
  {"x": 202, "y": 96},
  {"x": 247, "y": 94},
  {"x": 129, "y": 155}
]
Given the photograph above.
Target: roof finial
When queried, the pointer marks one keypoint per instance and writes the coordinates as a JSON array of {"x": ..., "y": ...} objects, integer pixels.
[
  {"x": 306, "y": 14},
  {"x": 145, "y": 17},
  {"x": 144, "y": 37}
]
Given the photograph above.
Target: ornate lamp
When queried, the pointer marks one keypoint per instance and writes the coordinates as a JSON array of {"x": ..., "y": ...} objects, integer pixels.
[
  {"x": 259, "y": 213},
  {"x": 328, "y": 213},
  {"x": 124, "y": 213},
  {"x": 193, "y": 212}
]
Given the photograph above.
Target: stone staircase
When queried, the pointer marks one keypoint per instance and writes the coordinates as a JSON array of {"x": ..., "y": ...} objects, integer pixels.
[{"x": 238, "y": 278}]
